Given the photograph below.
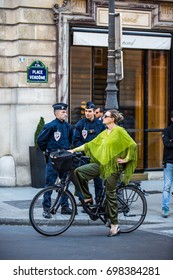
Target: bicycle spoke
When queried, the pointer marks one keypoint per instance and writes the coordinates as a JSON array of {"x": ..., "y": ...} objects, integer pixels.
[
  {"x": 55, "y": 222},
  {"x": 132, "y": 208}
]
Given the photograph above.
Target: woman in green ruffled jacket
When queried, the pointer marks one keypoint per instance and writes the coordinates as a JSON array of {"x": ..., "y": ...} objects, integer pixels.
[{"x": 112, "y": 151}]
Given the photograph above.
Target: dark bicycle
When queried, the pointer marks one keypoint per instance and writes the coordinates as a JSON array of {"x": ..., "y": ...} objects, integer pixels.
[{"x": 132, "y": 205}]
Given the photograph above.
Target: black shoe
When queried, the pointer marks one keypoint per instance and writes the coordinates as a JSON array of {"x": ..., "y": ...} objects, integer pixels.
[
  {"x": 46, "y": 213},
  {"x": 65, "y": 210}
]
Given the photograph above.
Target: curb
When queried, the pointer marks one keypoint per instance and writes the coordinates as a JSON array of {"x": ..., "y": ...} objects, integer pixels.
[
  {"x": 82, "y": 222},
  {"x": 25, "y": 221}
]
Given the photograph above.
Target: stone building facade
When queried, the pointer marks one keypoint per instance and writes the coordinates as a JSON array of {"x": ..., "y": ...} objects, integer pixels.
[
  {"x": 27, "y": 33},
  {"x": 60, "y": 34}
]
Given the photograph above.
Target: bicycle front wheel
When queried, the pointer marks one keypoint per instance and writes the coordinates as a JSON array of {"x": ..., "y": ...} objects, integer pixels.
[
  {"x": 132, "y": 208},
  {"x": 55, "y": 222}
]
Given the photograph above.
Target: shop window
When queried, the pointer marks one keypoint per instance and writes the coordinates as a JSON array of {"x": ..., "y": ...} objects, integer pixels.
[
  {"x": 98, "y": 57},
  {"x": 144, "y": 116},
  {"x": 99, "y": 76},
  {"x": 80, "y": 81},
  {"x": 157, "y": 104},
  {"x": 131, "y": 98}
]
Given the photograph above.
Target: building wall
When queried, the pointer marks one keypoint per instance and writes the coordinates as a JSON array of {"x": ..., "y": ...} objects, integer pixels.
[{"x": 27, "y": 33}]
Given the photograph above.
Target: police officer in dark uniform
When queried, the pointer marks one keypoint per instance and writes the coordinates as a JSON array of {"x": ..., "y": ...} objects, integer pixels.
[
  {"x": 55, "y": 135},
  {"x": 85, "y": 130}
]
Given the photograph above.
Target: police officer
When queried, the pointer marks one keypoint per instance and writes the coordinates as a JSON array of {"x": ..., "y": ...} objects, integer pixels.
[
  {"x": 55, "y": 135},
  {"x": 99, "y": 111},
  {"x": 85, "y": 130}
]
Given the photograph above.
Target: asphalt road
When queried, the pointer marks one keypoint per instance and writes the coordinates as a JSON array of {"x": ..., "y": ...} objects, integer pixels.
[{"x": 83, "y": 243}]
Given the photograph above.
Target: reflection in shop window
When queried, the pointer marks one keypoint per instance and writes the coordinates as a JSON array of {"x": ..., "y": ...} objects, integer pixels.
[{"x": 98, "y": 54}]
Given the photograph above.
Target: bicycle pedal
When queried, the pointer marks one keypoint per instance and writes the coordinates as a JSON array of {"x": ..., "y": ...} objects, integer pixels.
[{"x": 108, "y": 224}]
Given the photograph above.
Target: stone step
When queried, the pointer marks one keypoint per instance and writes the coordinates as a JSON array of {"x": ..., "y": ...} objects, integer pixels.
[{"x": 139, "y": 176}]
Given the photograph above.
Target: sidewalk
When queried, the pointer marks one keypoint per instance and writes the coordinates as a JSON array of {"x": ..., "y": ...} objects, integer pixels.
[{"x": 15, "y": 201}]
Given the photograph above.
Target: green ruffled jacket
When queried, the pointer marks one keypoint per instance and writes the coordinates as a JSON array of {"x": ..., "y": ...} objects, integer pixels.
[{"x": 106, "y": 148}]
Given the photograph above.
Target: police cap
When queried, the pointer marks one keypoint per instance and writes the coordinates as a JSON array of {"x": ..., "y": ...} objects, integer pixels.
[
  {"x": 90, "y": 105},
  {"x": 60, "y": 106}
]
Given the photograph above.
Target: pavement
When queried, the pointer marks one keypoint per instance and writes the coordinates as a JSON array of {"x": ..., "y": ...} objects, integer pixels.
[{"x": 15, "y": 202}]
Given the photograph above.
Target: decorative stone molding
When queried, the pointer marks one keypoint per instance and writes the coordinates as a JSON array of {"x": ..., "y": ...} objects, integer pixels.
[
  {"x": 64, "y": 7},
  {"x": 70, "y": 6},
  {"x": 166, "y": 13},
  {"x": 161, "y": 13},
  {"x": 66, "y": 14},
  {"x": 63, "y": 16},
  {"x": 130, "y": 18}
]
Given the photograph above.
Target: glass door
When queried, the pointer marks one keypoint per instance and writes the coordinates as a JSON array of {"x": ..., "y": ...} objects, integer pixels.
[
  {"x": 143, "y": 95},
  {"x": 80, "y": 81},
  {"x": 157, "y": 105},
  {"x": 131, "y": 98}
]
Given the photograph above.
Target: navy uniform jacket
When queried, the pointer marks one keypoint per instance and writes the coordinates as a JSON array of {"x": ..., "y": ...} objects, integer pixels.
[
  {"x": 167, "y": 137},
  {"x": 55, "y": 135},
  {"x": 86, "y": 130}
]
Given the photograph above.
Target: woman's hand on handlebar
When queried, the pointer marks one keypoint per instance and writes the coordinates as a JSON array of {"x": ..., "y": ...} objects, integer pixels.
[{"x": 71, "y": 151}]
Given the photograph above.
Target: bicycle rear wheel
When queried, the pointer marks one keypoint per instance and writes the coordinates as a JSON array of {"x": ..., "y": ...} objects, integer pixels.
[
  {"x": 56, "y": 223},
  {"x": 132, "y": 208}
]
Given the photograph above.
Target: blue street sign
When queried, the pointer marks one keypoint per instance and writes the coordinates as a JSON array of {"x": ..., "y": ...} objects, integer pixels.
[{"x": 37, "y": 73}]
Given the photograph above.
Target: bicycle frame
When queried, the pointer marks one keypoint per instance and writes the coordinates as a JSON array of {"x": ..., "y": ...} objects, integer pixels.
[
  {"x": 88, "y": 209},
  {"x": 97, "y": 211}
]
